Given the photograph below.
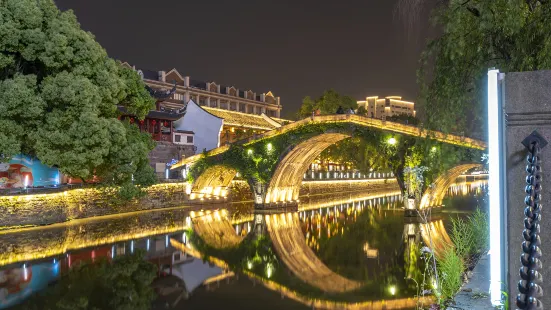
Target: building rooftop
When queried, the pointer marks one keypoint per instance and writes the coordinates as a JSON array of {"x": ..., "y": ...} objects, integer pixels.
[
  {"x": 237, "y": 119},
  {"x": 174, "y": 77}
]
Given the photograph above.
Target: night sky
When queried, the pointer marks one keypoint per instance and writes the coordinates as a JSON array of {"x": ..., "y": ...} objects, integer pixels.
[{"x": 293, "y": 48}]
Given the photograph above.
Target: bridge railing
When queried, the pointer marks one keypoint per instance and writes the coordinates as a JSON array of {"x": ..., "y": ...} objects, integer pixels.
[{"x": 344, "y": 175}]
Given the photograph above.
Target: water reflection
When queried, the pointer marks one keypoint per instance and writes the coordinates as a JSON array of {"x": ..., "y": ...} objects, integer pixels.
[{"x": 335, "y": 252}]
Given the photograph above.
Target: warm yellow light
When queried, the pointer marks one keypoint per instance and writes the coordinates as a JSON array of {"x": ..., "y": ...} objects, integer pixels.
[
  {"x": 392, "y": 290},
  {"x": 269, "y": 146},
  {"x": 392, "y": 141},
  {"x": 249, "y": 151}
]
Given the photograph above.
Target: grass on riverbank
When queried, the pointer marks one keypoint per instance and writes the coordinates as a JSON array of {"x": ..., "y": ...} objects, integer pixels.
[{"x": 470, "y": 237}]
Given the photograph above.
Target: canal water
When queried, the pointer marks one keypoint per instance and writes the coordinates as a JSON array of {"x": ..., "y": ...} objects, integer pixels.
[{"x": 336, "y": 250}]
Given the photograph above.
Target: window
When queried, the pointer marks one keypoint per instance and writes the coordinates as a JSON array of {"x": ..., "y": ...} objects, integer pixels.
[
  {"x": 177, "y": 138},
  {"x": 189, "y": 139}
]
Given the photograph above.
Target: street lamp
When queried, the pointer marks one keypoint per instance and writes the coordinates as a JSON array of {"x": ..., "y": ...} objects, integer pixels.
[{"x": 392, "y": 141}]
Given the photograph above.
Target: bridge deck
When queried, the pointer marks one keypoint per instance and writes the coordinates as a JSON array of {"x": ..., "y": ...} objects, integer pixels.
[{"x": 351, "y": 119}]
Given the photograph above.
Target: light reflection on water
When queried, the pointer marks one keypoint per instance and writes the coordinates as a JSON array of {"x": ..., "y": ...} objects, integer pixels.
[{"x": 362, "y": 237}]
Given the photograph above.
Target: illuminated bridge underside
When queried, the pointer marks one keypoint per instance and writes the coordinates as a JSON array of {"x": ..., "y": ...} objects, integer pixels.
[
  {"x": 434, "y": 196},
  {"x": 289, "y": 243},
  {"x": 213, "y": 182},
  {"x": 356, "y": 120},
  {"x": 285, "y": 183},
  {"x": 215, "y": 229},
  {"x": 434, "y": 235}
]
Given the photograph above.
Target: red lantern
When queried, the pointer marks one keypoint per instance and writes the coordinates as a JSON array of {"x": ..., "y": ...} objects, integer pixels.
[
  {"x": 131, "y": 120},
  {"x": 154, "y": 122},
  {"x": 141, "y": 122},
  {"x": 166, "y": 124}
]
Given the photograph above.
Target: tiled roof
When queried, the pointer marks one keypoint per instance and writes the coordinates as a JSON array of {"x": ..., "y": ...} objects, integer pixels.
[
  {"x": 281, "y": 121},
  {"x": 239, "y": 119}
]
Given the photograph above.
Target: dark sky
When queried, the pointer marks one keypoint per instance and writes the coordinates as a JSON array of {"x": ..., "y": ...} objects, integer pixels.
[{"x": 294, "y": 48}]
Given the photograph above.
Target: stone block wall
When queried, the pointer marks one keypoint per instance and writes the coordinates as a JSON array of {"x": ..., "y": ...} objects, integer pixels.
[
  {"x": 165, "y": 152},
  {"x": 527, "y": 107},
  {"x": 42, "y": 209}
]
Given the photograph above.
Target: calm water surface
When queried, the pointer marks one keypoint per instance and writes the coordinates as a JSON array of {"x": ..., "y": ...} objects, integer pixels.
[{"x": 350, "y": 248}]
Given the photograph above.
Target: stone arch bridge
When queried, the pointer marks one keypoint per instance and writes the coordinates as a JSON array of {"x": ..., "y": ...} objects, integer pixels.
[{"x": 279, "y": 158}]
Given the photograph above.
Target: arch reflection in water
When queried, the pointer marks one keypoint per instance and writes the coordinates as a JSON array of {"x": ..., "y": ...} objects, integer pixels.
[
  {"x": 215, "y": 229},
  {"x": 288, "y": 241}
]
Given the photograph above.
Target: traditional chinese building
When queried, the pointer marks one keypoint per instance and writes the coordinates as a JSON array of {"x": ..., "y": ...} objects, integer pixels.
[{"x": 191, "y": 116}]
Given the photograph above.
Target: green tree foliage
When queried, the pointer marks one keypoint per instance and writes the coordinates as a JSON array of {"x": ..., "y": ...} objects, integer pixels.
[
  {"x": 59, "y": 93},
  {"x": 511, "y": 35},
  {"x": 328, "y": 103},
  {"x": 361, "y": 111},
  {"x": 124, "y": 284},
  {"x": 404, "y": 119}
]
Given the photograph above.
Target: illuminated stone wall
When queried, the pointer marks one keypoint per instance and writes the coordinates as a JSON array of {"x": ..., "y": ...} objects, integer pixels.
[
  {"x": 41, "y": 209},
  {"x": 241, "y": 192},
  {"x": 311, "y": 188}
]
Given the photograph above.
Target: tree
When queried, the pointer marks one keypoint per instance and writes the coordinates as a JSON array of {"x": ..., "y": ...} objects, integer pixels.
[
  {"x": 124, "y": 284},
  {"x": 59, "y": 93},
  {"x": 328, "y": 103},
  {"x": 404, "y": 119},
  {"x": 362, "y": 111},
  {"x": 511, "y": 35}
]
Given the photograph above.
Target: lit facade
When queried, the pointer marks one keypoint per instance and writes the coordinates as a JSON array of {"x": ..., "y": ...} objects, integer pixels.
[
  {"x": 385, "y": 107},
  {"x": 208, "y": 94}
]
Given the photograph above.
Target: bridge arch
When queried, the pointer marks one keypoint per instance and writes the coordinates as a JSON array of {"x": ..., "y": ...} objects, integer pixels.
[
  {"x": 287, "y": 178},
  {"x": 214, "y": 181},
  {"x": 434, "y": 195}
]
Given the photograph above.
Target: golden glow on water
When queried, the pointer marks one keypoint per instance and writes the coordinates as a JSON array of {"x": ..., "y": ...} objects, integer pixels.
[
  {"x": 215, "y": 229},
  {"x": 288, "y": 241},
  {"x": 317, "y": 303}
]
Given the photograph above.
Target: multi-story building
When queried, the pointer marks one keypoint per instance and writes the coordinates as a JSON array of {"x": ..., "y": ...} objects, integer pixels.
[
  {"x": 209, "y": 94},
  {"x": 191, "y": 116},
  {"x": 389, "y": 106}
]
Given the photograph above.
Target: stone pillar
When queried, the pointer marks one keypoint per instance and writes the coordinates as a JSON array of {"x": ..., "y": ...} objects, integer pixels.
[
  {"x": 186, "y": 96},
  {"x": 207, "y": 102},
  {"x": 527, "y": 107}
]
